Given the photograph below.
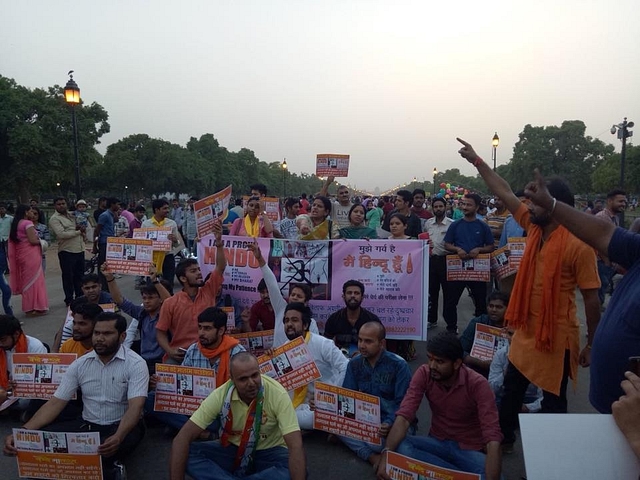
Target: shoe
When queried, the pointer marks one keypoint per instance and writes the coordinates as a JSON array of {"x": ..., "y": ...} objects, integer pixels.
[
  {"x": 507, "y": 448},
  {"x": 431, "y": 325}
]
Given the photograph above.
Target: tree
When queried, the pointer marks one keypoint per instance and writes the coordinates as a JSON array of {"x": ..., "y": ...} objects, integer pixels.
[
  {"x": 606, "y": 176},
  {"x": 36, "y": 143}
]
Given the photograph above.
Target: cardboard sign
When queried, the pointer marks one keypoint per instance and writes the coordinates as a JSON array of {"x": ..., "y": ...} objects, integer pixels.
[
  {"x": 516, "y": 246},
  {"x": 158, "y": 235},
  {"x": 400, "y": 467},
  {"x": 58, "y": 455},
  {"x": 181, "y": 389},
  {"x": 472, "y": 270},
  {"x": 37, "y": 375},
  {"x": 291, "y": 364},
  {"x": 487, "y": 341},
  {"x": 211, "y": 208},
  {"x": 271, "y": 205},
  {"x": 255, "y": 342},
  {"x": 500, "y": 265},
  {"x": 342, "y": 411},
  {"x": 129, "y": 256},
  {"x": 332, "y": 165}
]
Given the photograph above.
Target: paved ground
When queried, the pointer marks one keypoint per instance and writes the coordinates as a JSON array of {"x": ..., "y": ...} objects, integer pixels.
[{"x": 324, "y": 460}]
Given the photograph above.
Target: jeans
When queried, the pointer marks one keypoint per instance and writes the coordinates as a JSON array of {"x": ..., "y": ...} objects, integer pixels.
[
  {"x": 210, "y": 460},
  {"x": 72, "y": 267},
  {"x": 437, "y": 279},
  {"x": 4, "y": 287},
  {"x": 515, "y": 387},
  {"x": 443, "y": 453},
  {"x": 606, "y": 273},
  {"x": 362, "y": 449},
  {"x": 453, "y": 291}
]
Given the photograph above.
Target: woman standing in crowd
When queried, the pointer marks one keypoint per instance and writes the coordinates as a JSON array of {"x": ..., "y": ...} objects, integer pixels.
[
  {"x": 320, "y": 210},
  {"x": 43, "y": 234},
  {"x": 254, "y": 224},
  {"x": 25, "y": 263},
  {"x": 357, "y": 227},
  {"x": 398, "y": 227},
  {"x": 374, "y": 215}
]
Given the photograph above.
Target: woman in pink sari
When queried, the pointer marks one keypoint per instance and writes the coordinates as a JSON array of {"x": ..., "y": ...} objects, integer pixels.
[{"x": 25, "y": 263}]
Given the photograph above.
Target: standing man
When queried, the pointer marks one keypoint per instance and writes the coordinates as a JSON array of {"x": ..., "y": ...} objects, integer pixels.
[
  {"x": 259, "y": 431},
  {"x": 616, "y": 205},
  {"x": 114, "y": 409},
  {"x": 5, "y": 228},
  {"x": 138, "y": 217},
  {"x": 179, "y": 314},
  {"x": 343, "y": 326},
  {"x": 437, "y": 228},
  {"x": 545, "y": 349},
  {"x": 177, "y": 213},
  {"x": 468, "y": 238},
  {"x": 381, "y": 373},
  {"x": 496, "y": 219},
  {"x": 340, "y": 208},
  {"x": 105, "y": 229},
  {"x": 465, "y": 432},
  {"x": 403, "y": 202},
  {"x": 71, "y": 238},
  {"x": 159, "y": 219},
  {"x": 419, "y": 197}
]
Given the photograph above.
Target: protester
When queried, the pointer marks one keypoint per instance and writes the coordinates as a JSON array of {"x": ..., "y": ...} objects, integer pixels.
[
  {"x": 84, "y": 319},
  {"x": 262, "y": 316},
  {"x": 357, "y": 227},
  {"x": 340, "y": 208},
  {"x": 288, "y": 227},
  {"x": 25, "y": 262},
  {"x": 105, "y": 228},
  {"x": 616, "y": 205},
  {"x": 321, "y": 226},
  {"x": 403, "y": 202},
  {"x": 496, "y": 219},
  {"x": 255, "y": 223},
  {"x": 43, "y": 234},
  {"x": 374, "y": 216},
  {"x": 417, "y": 207},
  {"x": 398, "y": 227},
  {"x": 139, "y": 214}
]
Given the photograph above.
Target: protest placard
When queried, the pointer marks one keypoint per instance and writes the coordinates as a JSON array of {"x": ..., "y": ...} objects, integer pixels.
[
  {"x": 487, "y": 341},
  {"x": 129, "y": 256},
  {"x": 342, "y": 411},
  {"x": 158, "y": 235},
  {"x": 231, "y": 318},
  {"x": 271, "y": 206},
  {"x": 255, "y": 342},
  {"x": 58, "y": 455},
  {"x": 181, "y": 389},
  {"x": 37, "y": 375},
  {"x": 516, "y": 251},
  {"x": 211, "y": 208},
  {"x": 500, "y": 265},
  {"x": 400, "y": 467},
  {"x": 471, "y": 270},
  {"x": 332, "y": 165},
  {"x": 291, "y": 364},
  {"x": 395, "y": 275}
]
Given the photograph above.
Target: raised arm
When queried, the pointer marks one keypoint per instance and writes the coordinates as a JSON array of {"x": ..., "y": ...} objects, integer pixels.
[{"x": 324, "y": 191}]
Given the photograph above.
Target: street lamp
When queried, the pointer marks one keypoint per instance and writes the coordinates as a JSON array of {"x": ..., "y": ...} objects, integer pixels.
[
  {"x": 623, "y": 133},
  {"x": 72, "y": 97},
  {"x": 495, "y": 142},
  {"x": 284, "y": 177},
  {"x": 435, "y": 172}
]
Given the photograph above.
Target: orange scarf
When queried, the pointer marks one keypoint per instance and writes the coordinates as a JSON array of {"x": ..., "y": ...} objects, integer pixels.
[
  {"x": 20, "y": 347},
  {"x": 517, "y": 314},
  {"x": 223, "y": 367}
]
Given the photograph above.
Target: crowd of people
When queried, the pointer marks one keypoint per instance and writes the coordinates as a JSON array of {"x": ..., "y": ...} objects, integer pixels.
[{"x": 250, "y": 426}]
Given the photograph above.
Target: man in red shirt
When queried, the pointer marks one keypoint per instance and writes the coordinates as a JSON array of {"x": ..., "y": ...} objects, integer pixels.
[
  {"x": 179, "y": 313},
  {"x": 262, "y": 311},
  {"x": 464, "y": 422}
]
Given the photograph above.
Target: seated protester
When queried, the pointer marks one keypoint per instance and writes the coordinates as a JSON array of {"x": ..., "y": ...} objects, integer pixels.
[
  {"x": 92, "y": 291},
  {"x": 532, "y": 398},
  {"x": 342, "y": 326},
  {"x": 298, "y": 292},
  {"x": 496, "y": 309},
  {"x": 464, "y": 421},
  {"x": 116, "y": 411},
  {"x": 381, "y": 373},
  {"x": 329, "y": 359},
  {"x": 145, "y": 316},
  {"x": 13, "y": 340},
  {"x": 84, "y": 319},
  {"x": 262, "y": 311},
  {"x": 213, "y": 350},
  {"x": 259, "y": 430}
]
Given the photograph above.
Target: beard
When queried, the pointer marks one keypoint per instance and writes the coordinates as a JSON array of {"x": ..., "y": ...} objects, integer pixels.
[{"x": 542, "y": 221}]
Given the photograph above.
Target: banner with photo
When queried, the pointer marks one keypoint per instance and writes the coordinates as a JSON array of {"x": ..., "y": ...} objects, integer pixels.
[
  {"x": 129, "y": 256},
  {"x": 346, "y": 412},
  {"x": 472, "y": 270},
  {"x": 332, "y": 165},
  {"x": 500, "y": 265},
  {"x": 400, "y": 467},
  {"x": 395, "y": 276},
  {"x": 211, "y": 208},
  {"x": 487, "y": 341},
  {"x": 291, "y": 364},
  {"x": 516, "y": 251},
  {"x": 255, "y": 342},
  {"x": 271, "y": 205},
  {"x": 37, "y": 375},
  {"x": 158, "y": 235},
  {"x": 181, "y": 389},
  {"x": 58, "y": 455}
]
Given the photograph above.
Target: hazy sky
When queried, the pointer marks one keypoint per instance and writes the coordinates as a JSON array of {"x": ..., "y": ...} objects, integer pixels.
[{"x": 390, "y": 83}]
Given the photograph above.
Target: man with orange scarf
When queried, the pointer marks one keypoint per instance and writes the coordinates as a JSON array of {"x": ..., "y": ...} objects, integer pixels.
[
  {"x": 13, "y": 340},
  {"x": 213, "y": 350},
  {"x": 545, "y": 349}
]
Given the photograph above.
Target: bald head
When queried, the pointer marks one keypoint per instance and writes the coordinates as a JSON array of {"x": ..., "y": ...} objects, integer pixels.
[
  {"x": 241, "y": 360},
  {"x": 375, "y": 328}
]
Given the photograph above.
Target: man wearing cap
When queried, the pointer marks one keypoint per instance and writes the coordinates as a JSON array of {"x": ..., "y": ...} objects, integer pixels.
[{"x": 71, "y": 237}]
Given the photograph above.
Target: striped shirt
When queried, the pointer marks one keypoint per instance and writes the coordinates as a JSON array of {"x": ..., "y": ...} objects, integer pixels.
[
  {"x": 194, "y": 358},
  {"x": 106, "y": 389}
]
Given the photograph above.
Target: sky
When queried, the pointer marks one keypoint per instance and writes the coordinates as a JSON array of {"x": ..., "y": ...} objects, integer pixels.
[{"x": 391, "y": 83}]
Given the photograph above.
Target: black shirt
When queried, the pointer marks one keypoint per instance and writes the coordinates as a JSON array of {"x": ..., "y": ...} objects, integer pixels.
[{"x": 341, "y": 331}]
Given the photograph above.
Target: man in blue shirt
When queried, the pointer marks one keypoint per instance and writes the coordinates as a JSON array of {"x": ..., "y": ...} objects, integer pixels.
[
  {"x": 105, "y": 229},
  {"x": 467, "y": 238},
  {"x": 376, "y": 372}
]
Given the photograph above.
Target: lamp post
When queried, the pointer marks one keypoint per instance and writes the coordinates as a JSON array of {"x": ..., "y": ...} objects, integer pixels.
[
  {"x": 623, "y": 133},
  {"x": 284, "y": 177},
  {"x": 72, "y": 97},
  {"x": 495, "y": 142},
  {"x": 435, "y": 172}
]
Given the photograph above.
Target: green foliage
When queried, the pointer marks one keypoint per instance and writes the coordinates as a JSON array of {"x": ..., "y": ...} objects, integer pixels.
[{"x": 606, "y": 176}]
